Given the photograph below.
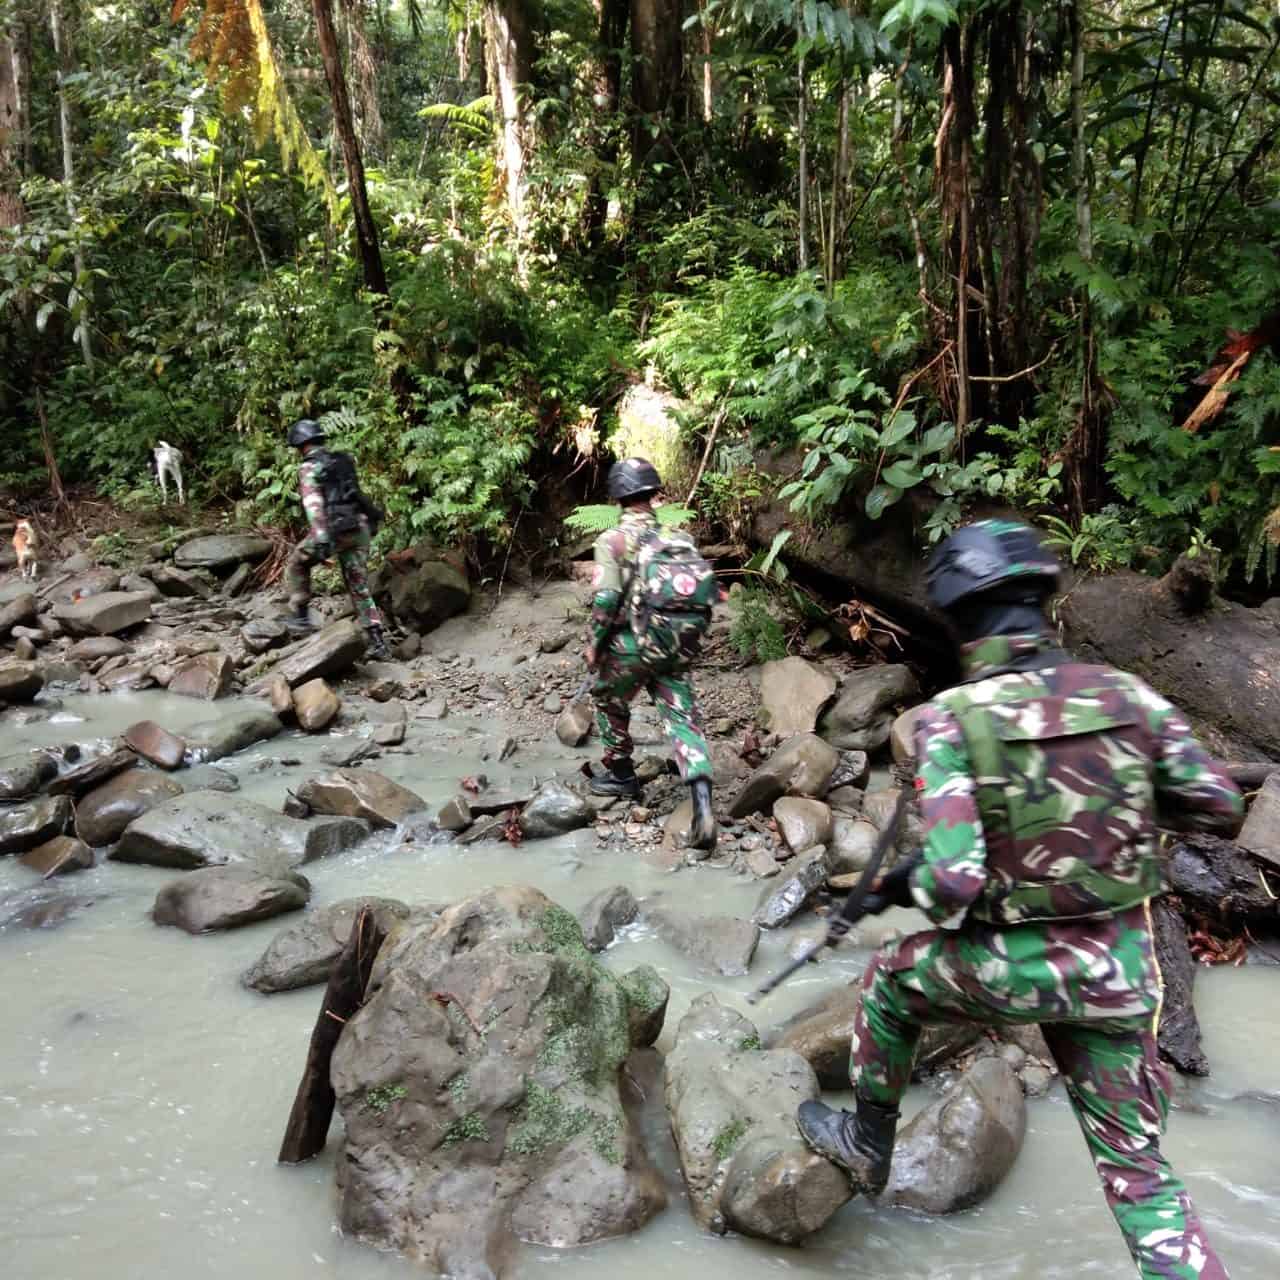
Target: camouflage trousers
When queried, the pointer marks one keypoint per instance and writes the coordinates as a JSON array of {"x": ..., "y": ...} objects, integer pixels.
[
  {"x": 1094, "y": 987},
  {"x": 619, "y": 679},
  {"x": 353, "y": 559}
]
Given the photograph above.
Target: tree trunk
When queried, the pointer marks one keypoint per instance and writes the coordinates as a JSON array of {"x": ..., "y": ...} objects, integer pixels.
[
  {"x": 510, "y": 42},
  {"x": 11, "y": 211},
  {"x": 802, "y": 132},
  {"x": 375, "y": 276},
  {"x": 612, "y": 15},
  {"x": 1083, "y": 452},
  {"x": 62, "y": 47},
  {"x": 366, "y": 76},
  {"x": 313, "y": 1104},
  {"x": 657, "y": 84},
  {"x": 708, "y": 37}
]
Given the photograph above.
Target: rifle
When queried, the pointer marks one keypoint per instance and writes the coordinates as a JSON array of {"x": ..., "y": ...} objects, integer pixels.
[{"x": 861, "y": 902}]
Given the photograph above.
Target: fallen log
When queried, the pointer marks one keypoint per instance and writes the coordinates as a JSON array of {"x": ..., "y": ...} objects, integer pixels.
[
  {"x": 308, "y": 1126},
  {"x": 1223, "y": 881},
  {"x": 1178, "y": 1034},
  {"x": 1249, "y": 775}
]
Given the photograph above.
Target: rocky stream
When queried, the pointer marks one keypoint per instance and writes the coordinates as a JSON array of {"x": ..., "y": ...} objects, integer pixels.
[{"x": 554, "y": 1066}]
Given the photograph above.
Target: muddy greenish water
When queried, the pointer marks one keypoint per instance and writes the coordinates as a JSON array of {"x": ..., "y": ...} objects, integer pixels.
[{"x": 143, "y": 1091}]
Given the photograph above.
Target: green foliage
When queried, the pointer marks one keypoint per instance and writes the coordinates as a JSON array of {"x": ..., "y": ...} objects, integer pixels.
[
  {"x": 544, "y": 1120},
  {"x": 755, "y": 632},
  {"x": 380, "y": 1098},
  {"x": 600, "y": 518},
  {"x": 1103, "y": 541},
  {"x": 728, "y": 1137},
  {"x": 468, "y": 1128}
]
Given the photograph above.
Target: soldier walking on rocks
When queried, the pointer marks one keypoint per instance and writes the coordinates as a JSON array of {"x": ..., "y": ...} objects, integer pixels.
[
  {"x": 1040, "y": 781},
  {"x": 341, "y": 520},
  {"x": 652, "y": 603}
]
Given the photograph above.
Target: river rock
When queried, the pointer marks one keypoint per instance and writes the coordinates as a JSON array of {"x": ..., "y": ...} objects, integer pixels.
[
  {"x": 821, "y": 1034},
  {"x": 261, "y": 634},
  {"x": 647, "y": 997},
  {"x": 128, "y": 679},
  {"x": 802, "y": 823},
  {"x": 105, "y": 812},
  {"x": 92, "y": 772},
  {"x": 423, "y": 591},
  {"x": 554, "y": 810},
  {"x": 456, "y": 1144},
  {"x": 177, "y": 584},
  {"x": 956, "y": 1151},
  {"x": 227, "y": 897},
  {"x": 18, "y": 612},
  {"x": 95, "y": 647},
  {"x": 152, "y": 742},
  {"x": 852, "y": 842},
  {"x": 867, "y": 706},
  {"x": 208, "y": 777},
  {"x": 793, "y": 693},
  {"x": 330, "y": 652},
  {"x": 605, "y": 913},
  {"x": 46, "y": 907},
  {"x": 24, "y": 650},
  {"x": 32, "y": 824},
  {"x": 1261, "y": 831},
  {"x": 91, "y": 582},
  {"x": 802, "y": 766},
  {"x": 575, "y": 722},
  {"x": 24, "y": 773},
  {"x": 720, "y": 944},
  {"x": 302, "y": 954},
  {"x": 58, "y": 857},
  {"x": 20, "y": 681},
  {"x": 207, "y": 676},
  {"x": 315, "y": 705},
  {"x": 214, "y": 739},
  {"x": 200, "y": 829},
  {"x": 799, "y": 885},
  {"x": 221, "y": 551},
  {"x": 455, "y": 815},
  {"x": 360, "y": 793},
  {"x": 732, "y": 1107},
  {"x": 104, "y": 615}
]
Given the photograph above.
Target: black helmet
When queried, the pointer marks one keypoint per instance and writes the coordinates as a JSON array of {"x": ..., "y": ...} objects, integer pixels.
[
  {"x": 632, "y": 478},
  {"x": 305, "y": 431},
  {"x": 988, "y": 555}
]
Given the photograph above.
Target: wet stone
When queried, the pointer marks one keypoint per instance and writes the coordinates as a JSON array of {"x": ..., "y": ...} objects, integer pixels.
[
  {"x": 103, "y": 814},
  {"x": 208, "y": 676},
  {"x": 221, "y": 551},
  {"x": 20, "y": 681},
  {"x": 24, "y": 773},
  {"x": 92, "y": 772},
  {"x": 607, "y": 912},
  {"x": 156, "y": 744},
  {"x": 106, "y": 614},
  {"x": 793, "y": 693},
  {"x": 228, "y": 897},
  {"x": 315, "y": 705},
  {"x": 263, "y": 633},
  {"x": 58, "y": 857},
  {"x": 802, "y": 766},
  {"x": 34, "y": 823},
  {"x": 454, "y": 815},
  {"x": 213, "y": 739},
  {"x": 554, "y": 810},
  {"x": 802, "y": 823},
  {"x": 803, "y": 877},
  {"x": 360, "y": 793}
]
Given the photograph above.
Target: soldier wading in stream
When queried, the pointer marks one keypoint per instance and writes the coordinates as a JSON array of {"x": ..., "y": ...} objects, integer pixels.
[
  {"x": 653, "y": 598},
  {"x": 1040, "y": 781},
  {"x": 342, "y": 522}
]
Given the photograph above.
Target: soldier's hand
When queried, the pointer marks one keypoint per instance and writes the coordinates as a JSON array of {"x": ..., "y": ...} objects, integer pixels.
[
  {"x": 323, "y": 547},
  {"x": 894, "y": 887},
  {"x": 593, "y": 658}
]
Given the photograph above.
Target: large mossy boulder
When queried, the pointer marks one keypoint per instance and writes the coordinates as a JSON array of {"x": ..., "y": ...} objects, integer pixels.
[{"x": 478, "y": 1087}]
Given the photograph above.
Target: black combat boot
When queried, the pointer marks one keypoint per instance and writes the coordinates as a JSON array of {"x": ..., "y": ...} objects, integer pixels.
[
  {"x": 299, "y": 621},
  {"x": 375, "y": 644},
  {"x": 702, "y": 830},
  {"x": 619, "y": 779},
  {"x": 860, "y": 1142}
]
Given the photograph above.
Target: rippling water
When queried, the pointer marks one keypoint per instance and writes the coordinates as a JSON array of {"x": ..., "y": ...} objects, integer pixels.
[{"x": 143, "y": 1091}]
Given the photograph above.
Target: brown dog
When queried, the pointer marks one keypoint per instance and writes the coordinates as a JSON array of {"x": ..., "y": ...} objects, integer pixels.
[{"x": 27, "y": 547}]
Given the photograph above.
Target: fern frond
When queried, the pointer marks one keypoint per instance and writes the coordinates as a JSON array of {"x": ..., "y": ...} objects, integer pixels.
[
  {"x": 472, "y": 119},
  {"x": 601, "y": 517}
]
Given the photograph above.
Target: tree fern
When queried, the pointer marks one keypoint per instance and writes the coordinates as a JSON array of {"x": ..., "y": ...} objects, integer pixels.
[{"x": 473, "y": 119}]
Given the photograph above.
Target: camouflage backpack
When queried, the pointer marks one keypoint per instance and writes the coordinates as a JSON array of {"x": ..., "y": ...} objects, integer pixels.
[{"x": 672, "y": 592}]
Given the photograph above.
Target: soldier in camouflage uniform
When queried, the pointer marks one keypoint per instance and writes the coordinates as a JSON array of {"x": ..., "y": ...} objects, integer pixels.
[
  {"x": 351, "y": 550},
  {"x": 1040, "y": 781},
  {"x": 624, "y": 668}
]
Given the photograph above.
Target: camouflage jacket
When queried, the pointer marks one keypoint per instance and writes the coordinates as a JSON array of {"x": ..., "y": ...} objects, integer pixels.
[
  {"x": 311, "y": 479},
  {"x": 1040, "y": 790},
  {"x": 615, "y": 556}
]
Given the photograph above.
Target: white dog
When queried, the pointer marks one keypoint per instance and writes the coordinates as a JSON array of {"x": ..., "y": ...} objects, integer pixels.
[
  {"x": 168, "y": 467},
  {"x": 27, "y": 547}
]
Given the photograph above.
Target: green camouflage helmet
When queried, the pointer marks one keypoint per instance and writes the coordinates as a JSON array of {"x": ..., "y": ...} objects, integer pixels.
[{"x": 988, "y": 554}]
